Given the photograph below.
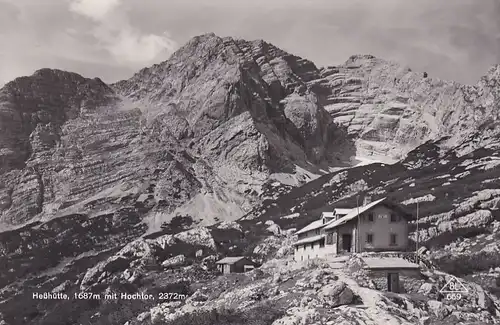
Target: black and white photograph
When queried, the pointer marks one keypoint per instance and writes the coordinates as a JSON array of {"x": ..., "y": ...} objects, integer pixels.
[{"x": 264, "y": 162}]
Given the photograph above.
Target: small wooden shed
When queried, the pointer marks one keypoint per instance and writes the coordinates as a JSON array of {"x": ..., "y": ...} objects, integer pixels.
[{"x": 237, "y": 264}]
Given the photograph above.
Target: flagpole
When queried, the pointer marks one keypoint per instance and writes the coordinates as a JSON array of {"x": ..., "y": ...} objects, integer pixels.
[
  {"x": 417, "y": 234},
  {"x": 358, "y": 245}
]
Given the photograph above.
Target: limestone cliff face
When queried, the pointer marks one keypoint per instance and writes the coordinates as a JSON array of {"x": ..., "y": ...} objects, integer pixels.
[
  {"x": 33, "y": 109},
  {"x": 196, "y": 135},
  {"x": 211, "y": 81},
  {"x": 391, "y": 109}
]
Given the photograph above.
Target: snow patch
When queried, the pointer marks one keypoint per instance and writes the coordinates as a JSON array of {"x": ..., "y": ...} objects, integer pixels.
[
  {"x": 298, "y": 178},
  {"x": 365, "y": 160}
]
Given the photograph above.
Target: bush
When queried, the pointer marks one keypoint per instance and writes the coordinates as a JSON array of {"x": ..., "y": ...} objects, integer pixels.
[{"x": 259, "y": 315}]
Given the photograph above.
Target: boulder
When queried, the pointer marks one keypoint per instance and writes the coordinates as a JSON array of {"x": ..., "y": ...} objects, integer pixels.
[
  {"x": 175, "y": 261},
  {"x": 438, "y": 309},
  {"x": 103, "y": 270},
  {"x": 198, "y": 296},
  {"x": 336, "y": 294},
  {"x": 427, "y": 288},
  {"x": 143, "y": 316},
  {"x": 275, "y": 229},
  {"x": 198, "y": 236}
]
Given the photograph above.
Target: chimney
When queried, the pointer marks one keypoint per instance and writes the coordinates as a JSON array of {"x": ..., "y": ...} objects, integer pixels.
[{"x": 367, "y": 200}]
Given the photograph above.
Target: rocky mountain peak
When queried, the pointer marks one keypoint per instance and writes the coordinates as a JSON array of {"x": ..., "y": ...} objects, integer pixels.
[
  {"x": 55, "y": 87},
  {"x": 212, "y": 79},
  {"x": 43, "y": 102},
  {"x": 360, "y": 59},
  {"x": 492, "y": 77},
  {"x": 211, "y": 52}
]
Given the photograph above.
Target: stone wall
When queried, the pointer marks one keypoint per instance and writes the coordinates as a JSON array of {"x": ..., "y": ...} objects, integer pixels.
[{"x": 410, "y": 280}]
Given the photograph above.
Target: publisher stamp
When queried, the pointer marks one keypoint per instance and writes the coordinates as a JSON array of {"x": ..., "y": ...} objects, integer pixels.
[{"x": 454, "y": 289}]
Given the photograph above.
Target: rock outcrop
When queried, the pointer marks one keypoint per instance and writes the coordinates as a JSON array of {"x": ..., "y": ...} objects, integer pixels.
[{"x": 391, "y": 110}]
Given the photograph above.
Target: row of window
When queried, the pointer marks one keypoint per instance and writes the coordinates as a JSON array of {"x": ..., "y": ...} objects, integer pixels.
[
  {"x": 393, "y": 239},
  {"x": 321, "y": 244},
  {"x": 308, "y": 257}
]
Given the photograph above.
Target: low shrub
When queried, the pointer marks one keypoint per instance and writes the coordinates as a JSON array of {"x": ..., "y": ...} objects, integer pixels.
[{"x": 259, "y": 315}]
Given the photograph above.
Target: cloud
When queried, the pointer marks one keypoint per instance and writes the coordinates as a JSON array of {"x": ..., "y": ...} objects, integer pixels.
[
  {"x": 94, "y": 9},
  {"x": 112, "y": 39},
  {"x": 116, "y": 34}
]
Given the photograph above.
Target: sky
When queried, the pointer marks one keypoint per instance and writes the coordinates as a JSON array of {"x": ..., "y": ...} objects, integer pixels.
[{"x": 112, "y": 39}]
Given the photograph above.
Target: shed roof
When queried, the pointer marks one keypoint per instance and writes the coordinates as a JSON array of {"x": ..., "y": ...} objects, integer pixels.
[
  {"x": 388, "y": 263},
  {"x": 353, "y": 214},
  {"x": 231, "y": 260},
  {"x": 309, "y": 239}
]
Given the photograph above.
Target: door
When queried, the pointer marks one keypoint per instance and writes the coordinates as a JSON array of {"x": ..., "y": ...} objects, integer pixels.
[
  {"x": 393, "y": 282},
  {"x": 346, "y": 242}
]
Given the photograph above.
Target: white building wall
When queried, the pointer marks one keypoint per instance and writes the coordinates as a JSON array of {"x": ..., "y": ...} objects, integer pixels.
[
  {"x": 381, "y": 228},
  {"x": 308, "y": 253}
]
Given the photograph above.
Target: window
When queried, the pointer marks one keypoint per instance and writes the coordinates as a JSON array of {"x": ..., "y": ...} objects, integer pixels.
[
  {"x": 394, "y": 217},
  {"x": 371, "y": 217},
  {"x": 393, "y": 240},
  {"x": 329, "y": 239},
  {"x": 322, "y": 243},
  {"x": 369, "y": 238}
]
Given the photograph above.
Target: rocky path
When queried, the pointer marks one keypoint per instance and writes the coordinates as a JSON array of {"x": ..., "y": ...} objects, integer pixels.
[{"x": 370, "y": 312}]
